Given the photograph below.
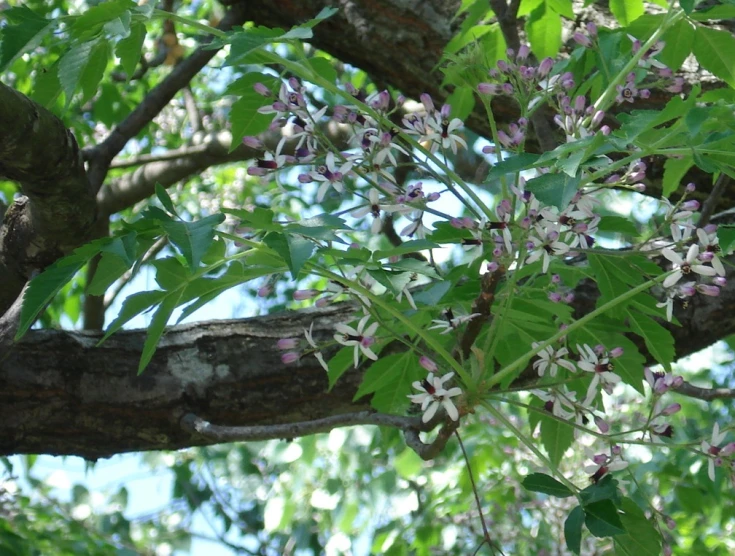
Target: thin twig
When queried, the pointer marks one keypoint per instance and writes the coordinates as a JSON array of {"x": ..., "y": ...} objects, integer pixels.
[
  {"x": 125, "y": 278},
  {"x": 168, "y": 155},
  {"x": 481, "y": 305},
  {"x": 220, "y": 433},
  {"x": 708, "y": 207},
  {"x": 486, "y": 533},
  {"x": 706, "y": 394}
]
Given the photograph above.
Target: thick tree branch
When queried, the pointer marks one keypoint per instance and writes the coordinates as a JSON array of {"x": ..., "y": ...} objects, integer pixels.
[
  {"x": 58, "y": 209},
  {"x": 706, "y": 394}
]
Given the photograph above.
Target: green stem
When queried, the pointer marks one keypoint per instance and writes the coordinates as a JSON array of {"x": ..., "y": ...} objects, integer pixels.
[
  {"x": 523, "y": 360},
  {"x": 162, "y": 14},
  {"x": 378, "y": 301},
  {"x": 523, "y": 438}
]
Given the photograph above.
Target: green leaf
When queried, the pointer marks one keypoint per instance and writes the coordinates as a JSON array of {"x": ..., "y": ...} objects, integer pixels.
[
  {"x": 258, "y": 219},
  {"x": 562, "y": 7},
  {"x": 25, "y": 35},
  {"x": 543, "y": 28},
  {"x": 556, "y": 437},
  {"x": 244, "y": 116},
  {"x": 381, "y": 373},
  {"x": 193, "y": 239},
  {"x": 157, "y": 326},
  {"x": 45, "y": 286},
  {"x": 679, "y": 40},
  {"x": 170, "y": 273},
  {"x": 413, "y": 246},
  {"x": 514, "y": 164},
  {"x": 133, "y": 305},
  {"x": 605, "y": 489},
  {"x": 323, "y": 68},
  {"x": 617, "y": 224},
  {"x": 627, "y": 11},
  {"x": 674, "y": 171},
  {"x": 726, "y": 237},
  {"x": 129, "y": 48},
  {"x": 539, "y": 482},
  {"x": 573, "y": 529},
  {"x": 602, "y": 519},
  {"x": 293, "y": 249},
  {"x": 109, "y": 269},
  {"x": 711, "y": 47},
  {"x": 166, "y": 201},
  {"x": 339, "y": 365},
  {"x": 659, "y": 341},
  {"x": 554, "y": 189},
  {"x": 641, "y": 538},
  {"x": 94, "y": 70},
  {"x": 462, "y": 101},
  {"x": 90, "y": 23},
  {"x": 47, "y": 86}
]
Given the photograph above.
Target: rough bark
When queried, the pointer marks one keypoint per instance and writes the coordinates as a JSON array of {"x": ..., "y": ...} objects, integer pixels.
[{"x": 58, "y": 208}]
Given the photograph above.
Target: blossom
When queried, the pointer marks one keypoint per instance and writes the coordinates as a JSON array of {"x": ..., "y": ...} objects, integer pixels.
[
  {"x": 559, "y": 403},
  {"x": 361, "y": 338},
  {"x": 318, "y": 354},
  {"x": 712, "y": 450},
  {"x": 711, "y": 246},
  {"x": 601, "y": 366},
  {"x": 685, "y": 266},
  {"x": 374, "y": 208},
  {"x": 450, "y": 322},
  {"x": 603, "y": 463},
  {"x": 551, "y": 360},
  {"x": 434, "y": 394},
  {"x": 330, "y": 175},
  {"x": 545, "y": 244}
]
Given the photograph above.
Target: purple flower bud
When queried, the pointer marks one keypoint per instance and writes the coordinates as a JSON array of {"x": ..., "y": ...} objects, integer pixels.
[
  {"x": 706, "y": 257},
  {"x": 445, "y": 111},
  {"x": 602, "y": 425},
  {"x": 691, "y": 187},
  {"x": 599, "y": 459},
  {"x": 616, "y": 352},
  {"x": 616, "y": 450},
  {"x": 294, "y": 83},
  {"x": 707, "y": 289},
  {"x": 503, "y": 66},
  {"x": 305, "y": 178},
  {"x": 301, "y": 295},
  {"x": 554, "y": 297},
  {"x": 497, "y": 252},
  {"x": 523, "y": 52},
  {"x": 262, "y": 89},
  {"x": 597, "y": 118},
  {"x": 677, "y": 381},
  {"x": 556, "y": 279},
  {"x": 569, "y": 298},
  {"x": 488, "y": 89},
  {"x": 605, "y": 130},
  {"x": 252, "y": 142},
  {"x": 671, "y": 409},
  {"x": 428, "y": 364},
  {"x": 728, "y": 449},
  {"x": 582, "y": 40},
  {"x": 720, "y": 281},
  {"x": 290, "y": 357},
  {"x": 492, "y": 266},
  {"x": 401, "y": 100},
  {"x": 265, "y": 291},
  {"x": 488, "y": 149},
  {"x": 287, "y": 343},
  {"x": 579, "y": 103},
  {"x": 545, "y": 67},
  {"x": 433, "y": 196},
  {"x": 644, "y": 93},
  {"x": 427, "y": 102},
  {"x": 322, "y": 302},
  {"x": 592, "y": 29},
  {"x": 255, "y": 171},
  {"x": 507, "y": 88},
  {"x": 525, "y": 223},
  {"x": 510, "y": 53},
  {"x": 692, "y": 204}
]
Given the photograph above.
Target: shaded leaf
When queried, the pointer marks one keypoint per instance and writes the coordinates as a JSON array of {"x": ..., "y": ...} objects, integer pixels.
[
  {"x": 539, "y": 482},
  {"x": 573, "y": 529},
  {"x": 556, "y": 437},
  {"x": 602, "y": 519}
]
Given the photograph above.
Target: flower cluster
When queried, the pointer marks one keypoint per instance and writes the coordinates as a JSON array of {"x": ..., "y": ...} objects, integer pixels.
[{"x": 434, "y": 394}]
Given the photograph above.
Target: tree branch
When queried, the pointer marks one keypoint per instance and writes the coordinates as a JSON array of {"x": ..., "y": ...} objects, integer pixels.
[
  {"x": 102, "y": 154},
  {"x": 706, "y": 394},
  {"x": 58, "y": 210}
]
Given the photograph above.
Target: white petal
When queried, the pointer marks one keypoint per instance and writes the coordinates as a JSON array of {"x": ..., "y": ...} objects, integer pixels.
[
  {"x": 356, "y": 355},
  {"x": 672, "y": 256},
  {"x": 692, "y": 253},
  {"x": 344, "y": 329},
  {"x": 368, "y": 353},
  {"x": 703, "y": 270},
  {"x": 450, "y": 409},
  {"x": 672, "y": 279},
  {"x": 430, "y": 412}
]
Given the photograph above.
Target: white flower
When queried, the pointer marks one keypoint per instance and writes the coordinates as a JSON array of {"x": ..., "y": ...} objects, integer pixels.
[
  {"x": 601, "y": 367},
  {"x": 711, "y": 244},
  {"x": 547, "y": 247},
  {"x": 685, "y": 266},
  {"x": 602, "y": 463},
  {"x": 712, "y": 449},
  {"x": 330, "y": 176},
  {"x": 434, "y": 394},
  {"x": 312, "y": 343},
  {"x": 362, "y": 338},
  {"x": 550, "y": 359},
  {"x": 450, "y": 322},
  {"x": 559, "y": 400},
  {"x": 373, "y": 207}
]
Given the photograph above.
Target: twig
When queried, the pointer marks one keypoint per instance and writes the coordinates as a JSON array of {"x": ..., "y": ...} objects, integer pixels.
[
  {"x": 168, "y": 155},
  {"x": 192, "y": 111},
  {"x": 125, "y": 278},
  {"x": 486, "y": 533},
  {"x": 429, "y": 451},
  {"x": 706, "y": 394},
  {"x": 220, "y": 433},
  {"x": 708, "y": 207}
]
